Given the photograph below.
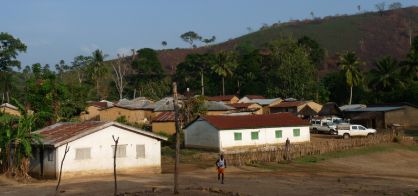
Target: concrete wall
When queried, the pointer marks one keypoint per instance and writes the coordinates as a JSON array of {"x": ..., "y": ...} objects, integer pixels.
[
  {"x": 132, "y": 116},
  {"x": 166, "y": 127},
  {"x": 265, "y": 136},
  {"x": 411, "y": 117},
  {"x": 9, "y": 111},
  {"x": 92, "y": 112},
  {"x": 101, "y": 152},
  {"x": 201, "y": 134}
]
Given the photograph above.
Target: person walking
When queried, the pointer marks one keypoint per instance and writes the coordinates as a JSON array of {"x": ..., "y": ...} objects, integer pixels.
[{"x": 221, "y": 165}]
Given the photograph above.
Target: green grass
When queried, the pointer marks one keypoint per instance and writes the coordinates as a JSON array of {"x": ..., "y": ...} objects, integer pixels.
[{"x": 355, "y": 152}]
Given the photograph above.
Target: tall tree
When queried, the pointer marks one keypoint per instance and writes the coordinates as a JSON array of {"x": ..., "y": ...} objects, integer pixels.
[
  {"x": 79, "y": 65},
  {"x": 224, "y": 66},
  {"x": 207, "y": 41},
  {"x": 97, "y": 69},
  {"x": 385, "y": 76},
  {"x": 10, "y": 47},
  {"x": 120, "y": 68},
  {"x": 350, "y": 65},
  {"x": 190, "y": 37},
  {"x": 61, "y": 67}
]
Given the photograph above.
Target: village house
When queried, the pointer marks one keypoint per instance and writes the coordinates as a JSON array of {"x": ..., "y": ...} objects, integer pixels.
[
  {"x": 166, "y": 104},
  {"x": 92, "y": 112},
  {"x": 227, "y": 99},
  {"x": 164, "y": 122},
  {"x": 91, "y": 149},
  {"x": 228, "y": 132},
  {"x": 8, "y": 108},
  {"x": 215, "y": 108},
  {"x": 250, "y": 108},
  {"x": 248, "y": 98},
  {"x": 138, "y": 110},
  {"x": 265, "y": 103},
  {"x": 384, "y": 115},
  {"x": 295, "y": 107},
  {"x": 330, "y": 109}
]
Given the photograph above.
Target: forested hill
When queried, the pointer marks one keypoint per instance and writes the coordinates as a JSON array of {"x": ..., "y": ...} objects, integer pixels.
[{"x": 372, "y": 35}]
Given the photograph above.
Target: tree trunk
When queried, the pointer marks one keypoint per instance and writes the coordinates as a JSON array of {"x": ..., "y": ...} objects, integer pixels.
[
  {"x": 351, "y": 94},
  {"x": 223, "y": 86},
  {"x": 62, "y": 163},
  {"x": 176, "y": 117},
  {"x": 201, "y": 82},
  {"x": 114, "y": 164}
]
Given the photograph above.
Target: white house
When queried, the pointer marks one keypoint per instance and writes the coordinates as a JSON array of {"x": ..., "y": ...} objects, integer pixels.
[
  {"x": 223, "y": 132},
  {"x": 91, "y": 149}
]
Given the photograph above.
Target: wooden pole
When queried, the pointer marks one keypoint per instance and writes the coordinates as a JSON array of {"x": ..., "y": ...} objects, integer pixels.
[
  {"x": 114, "y": 164},
  {"x": 176, "y": 117},
  {"x": 62, "y": 163}
]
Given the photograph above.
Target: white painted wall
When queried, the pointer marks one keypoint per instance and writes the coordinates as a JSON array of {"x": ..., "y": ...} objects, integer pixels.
[
  {"x": 201, "y": 134},
  {"x": 265, "y": 136},
  {"x": 101, "y": 159}
]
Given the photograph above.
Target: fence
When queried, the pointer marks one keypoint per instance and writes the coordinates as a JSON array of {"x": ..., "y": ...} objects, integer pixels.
[{"x": 277, "y": 153}]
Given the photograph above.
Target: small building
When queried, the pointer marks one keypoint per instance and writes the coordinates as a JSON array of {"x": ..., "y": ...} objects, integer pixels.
[
  {"x": 138, "y": 110},
  {"x": 227, "y": 132},
  {"x": 251, "y": 108},
  {"x": 91, "y": 149},
  {"x": 294, "y": 106},
  {"x": 384, "y": 115},
  {"x": 8, "y": 108},
  {"x": 92, "y": 112},
  {"x": 265, "y": 103},
  {"x": 215, "y": 108},
  {"x": 330, "y": 109},
  {"x": 227, "y": 99},
  {"x": 164, "y": 122},
  {"x": 248, "y": 98}
]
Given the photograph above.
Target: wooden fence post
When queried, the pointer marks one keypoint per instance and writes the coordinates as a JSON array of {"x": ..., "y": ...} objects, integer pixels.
[
  {"x": 62, "y": 163},
  {"x": 114, "y": 164}
]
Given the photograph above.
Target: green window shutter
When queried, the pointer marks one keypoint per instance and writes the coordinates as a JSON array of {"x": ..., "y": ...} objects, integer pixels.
[
  {"x": 278, "y": 133},
  {"x": 237, "y": 136},
  {"x": 254, "y": 135},
  {"x": 296, "y": 132}
]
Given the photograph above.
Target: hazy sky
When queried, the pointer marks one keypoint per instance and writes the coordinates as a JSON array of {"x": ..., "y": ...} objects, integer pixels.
[{"x": 58, "y": 29}]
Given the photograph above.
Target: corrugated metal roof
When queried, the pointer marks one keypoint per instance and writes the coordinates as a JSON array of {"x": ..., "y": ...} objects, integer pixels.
[
  {"x": 136, "y": 104},
  {"x": 373, "y": 109},
  {"x": 254, "y": 97},
  {"x": 264, "y": 101},
  {"x": 61, "y": 133},
  {"x": 8, "y": 105},
  {"x": 217, "y": 106},
  {"x": 221, "y": 98},
  {"x": 287, "y": 104},
  {"x": 165, "y": 117},
  {"x": 254, "y": 121}
]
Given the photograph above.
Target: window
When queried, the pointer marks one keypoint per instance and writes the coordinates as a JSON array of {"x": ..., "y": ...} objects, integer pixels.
[
  {"x": 120, "y": 151},
  {"x": 361, "y": 128},
  {"x": 237, "y": 136},
  {"x": 140, "y": 151},
  {"x": 296, "y": 132},
  {"x": 254, "y": 135},
  {"x": 50, "y": 155},
  {"x": 82, "y": 153},
  {"x": 278, "y": 133},
  {"x": 354, "y": 128}
]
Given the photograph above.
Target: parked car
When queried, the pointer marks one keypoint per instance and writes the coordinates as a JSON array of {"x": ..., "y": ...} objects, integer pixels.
[
  {"x": 346, "y": 131},
  {"x": 326, "y": 125}
]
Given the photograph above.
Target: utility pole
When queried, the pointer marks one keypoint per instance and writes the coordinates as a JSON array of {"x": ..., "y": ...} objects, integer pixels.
[{"x": 176, "y": 117}]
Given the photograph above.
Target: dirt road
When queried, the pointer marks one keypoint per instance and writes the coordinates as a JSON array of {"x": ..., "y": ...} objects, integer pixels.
[{"x": 385, "y": 173}]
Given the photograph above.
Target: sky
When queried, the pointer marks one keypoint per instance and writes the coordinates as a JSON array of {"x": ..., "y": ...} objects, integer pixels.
[{"x": 62, "y": 29}]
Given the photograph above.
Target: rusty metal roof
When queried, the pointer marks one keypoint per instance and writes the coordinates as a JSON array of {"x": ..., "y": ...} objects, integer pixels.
[
  {"x": 254, "y": 121},
  {"x": 61, "y": 133},
  {"x": 165, "y": 117}
]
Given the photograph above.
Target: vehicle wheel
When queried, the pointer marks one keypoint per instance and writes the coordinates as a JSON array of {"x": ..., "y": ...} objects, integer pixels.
[
  {"x": 332, "y": 132},
  {"x": 370, "y": 135},
  {"x": 346, "y": 136},
  {"x": 315, "y": 131}
]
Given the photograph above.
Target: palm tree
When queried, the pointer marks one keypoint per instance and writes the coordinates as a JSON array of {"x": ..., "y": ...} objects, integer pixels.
[
  {"x": 224, "y": 65},
  {"x": 385, "y": 74},
  {"x": 97, "y": 68},
  {"x": 349, "y": 64}
]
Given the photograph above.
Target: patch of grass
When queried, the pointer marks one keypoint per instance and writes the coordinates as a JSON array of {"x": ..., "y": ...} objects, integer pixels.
[{"x": 356, "y": 152}]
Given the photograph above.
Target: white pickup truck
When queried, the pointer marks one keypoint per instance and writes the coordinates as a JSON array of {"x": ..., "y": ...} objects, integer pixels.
[{"x": 346, "y": 131}]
